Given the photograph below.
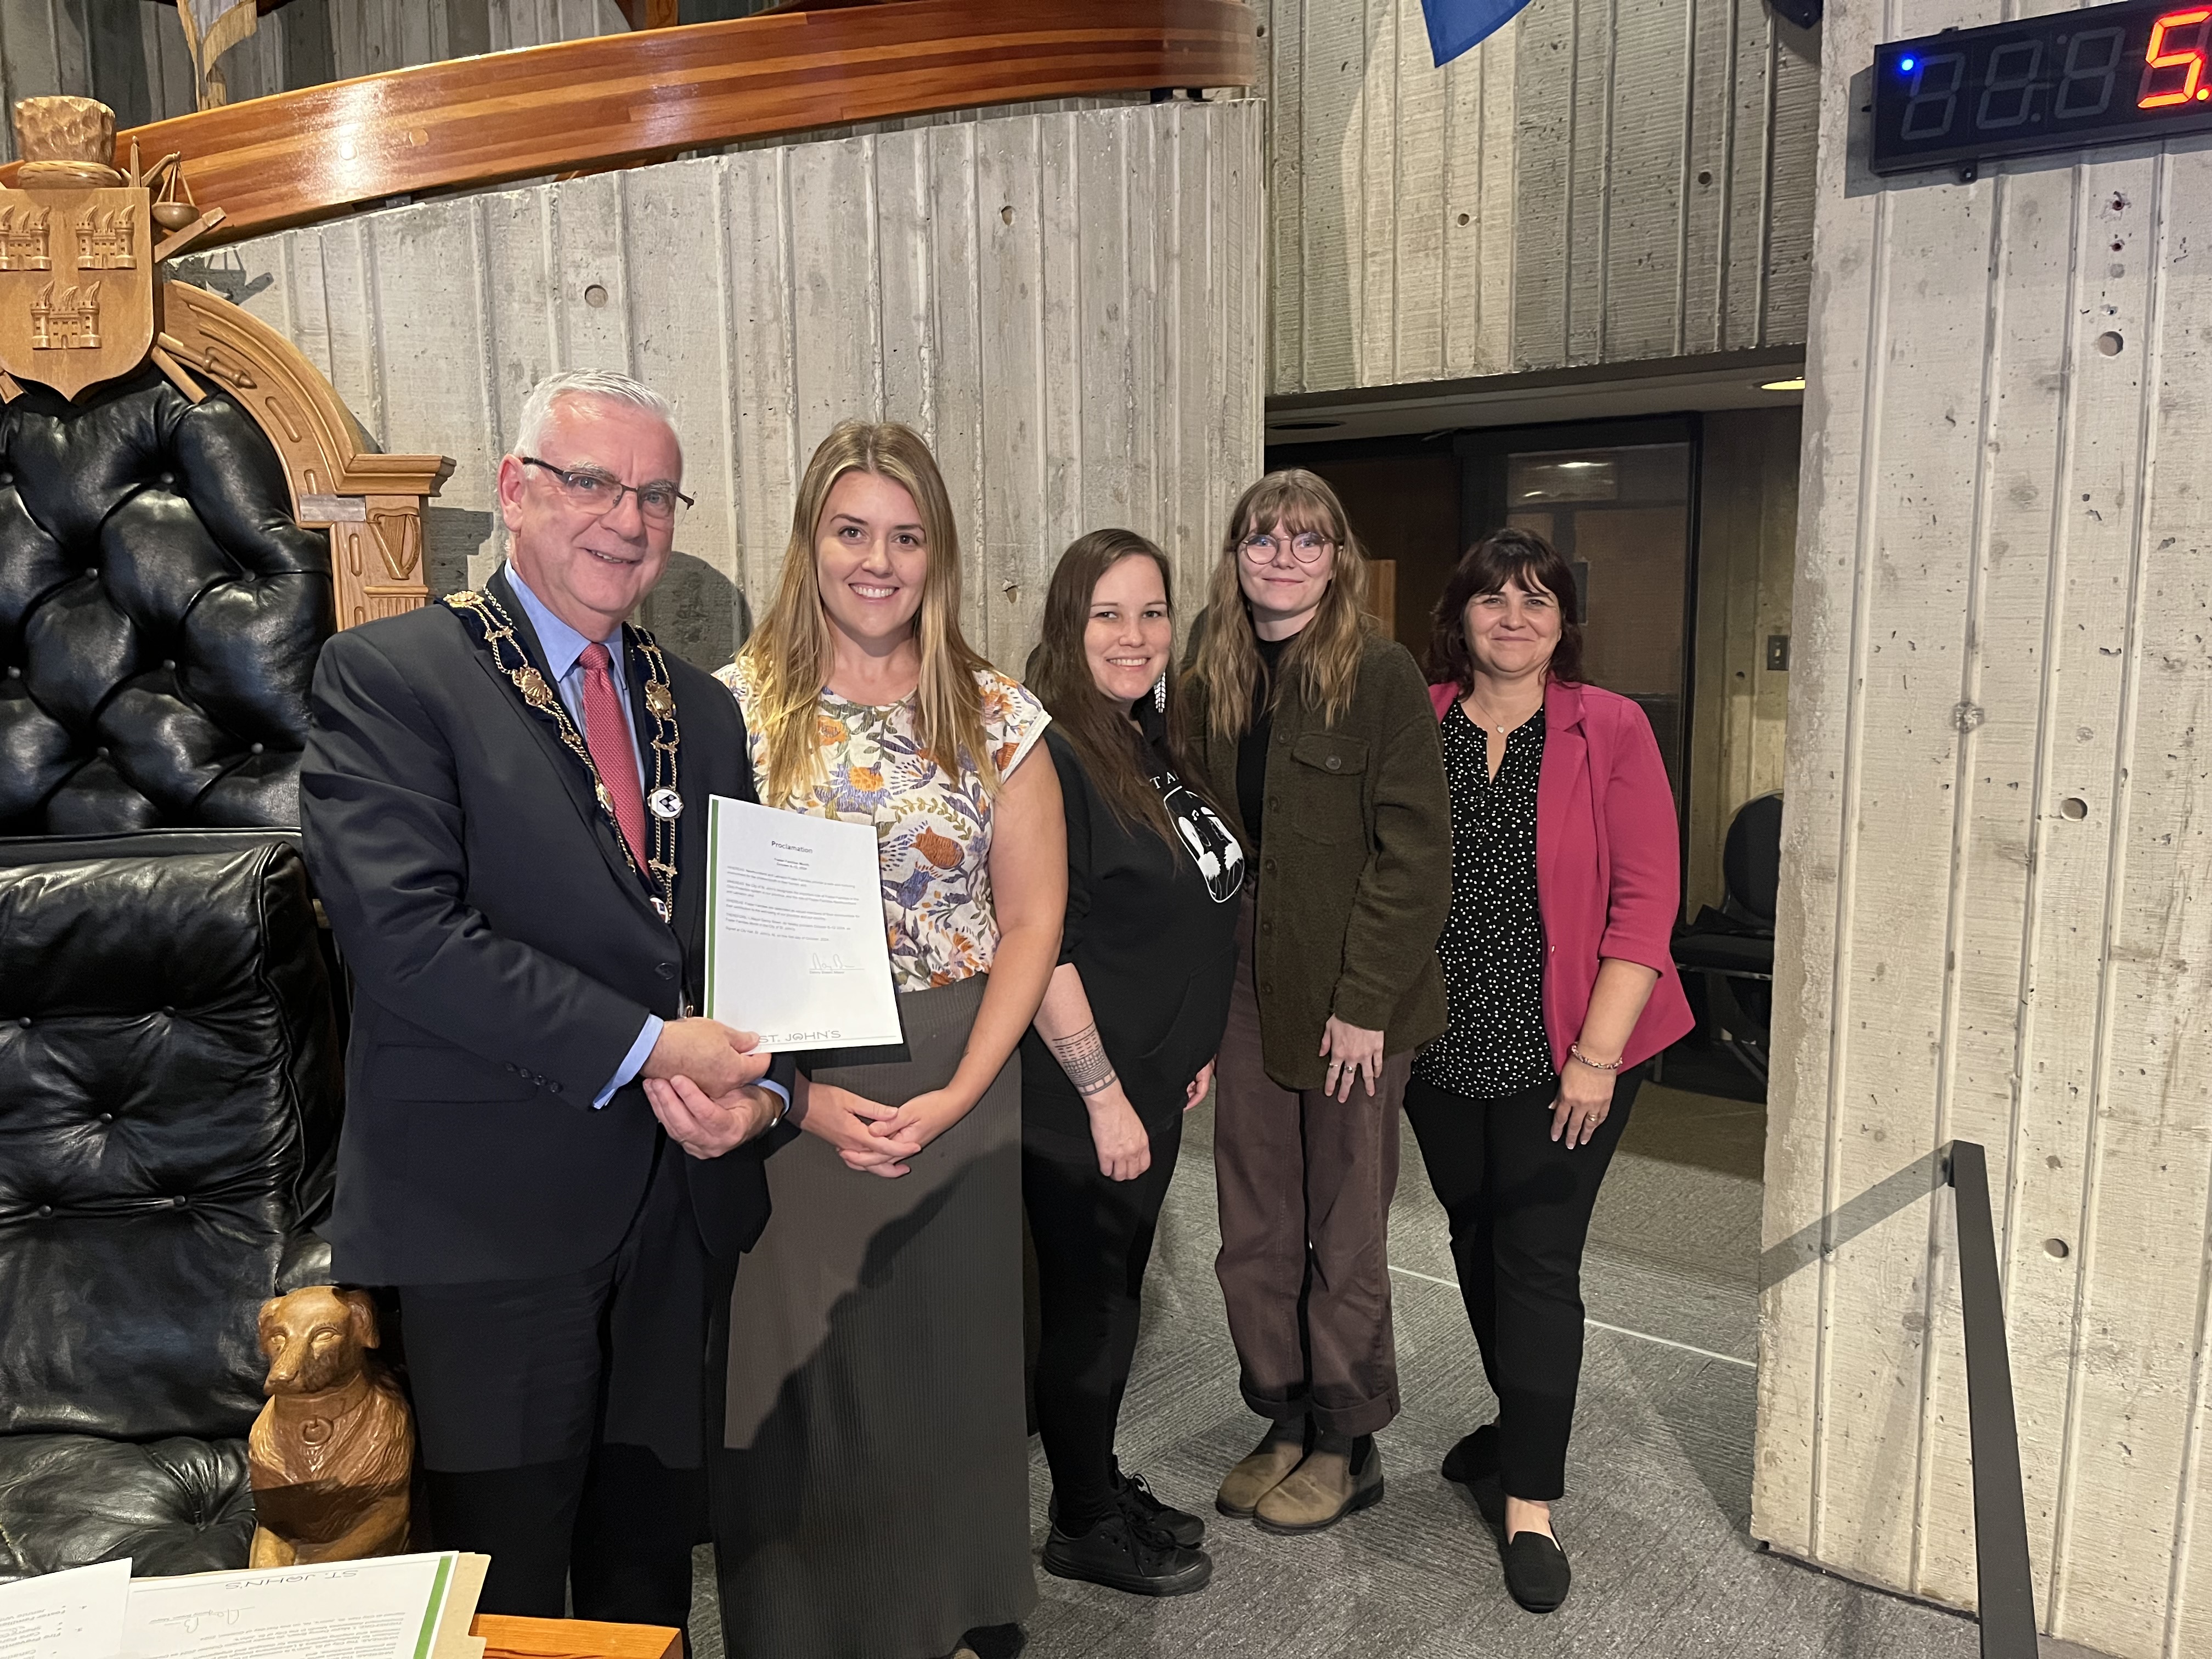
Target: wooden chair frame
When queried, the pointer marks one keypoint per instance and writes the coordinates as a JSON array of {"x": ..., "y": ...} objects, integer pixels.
[{"x": 371, "y": 503}]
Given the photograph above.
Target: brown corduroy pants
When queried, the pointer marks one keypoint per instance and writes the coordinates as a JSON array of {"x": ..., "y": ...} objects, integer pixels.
[{"x": 1305, "y": 1183}]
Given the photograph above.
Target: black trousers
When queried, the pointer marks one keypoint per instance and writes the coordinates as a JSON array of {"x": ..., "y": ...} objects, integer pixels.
[
  {"x": 1094, "y": 1237},
  {"x": 1520, "y": 1204},
  {"x": 563, "y": 1419}
]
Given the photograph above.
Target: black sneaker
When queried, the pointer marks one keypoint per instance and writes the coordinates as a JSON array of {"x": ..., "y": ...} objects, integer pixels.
[
  {"x": 1123, "y": 1555},
  {"x": 1178, "y": 1526}
]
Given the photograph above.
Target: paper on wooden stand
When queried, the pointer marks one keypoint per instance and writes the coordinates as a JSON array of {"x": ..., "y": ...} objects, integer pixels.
[{"x": 393, "y": 1607}]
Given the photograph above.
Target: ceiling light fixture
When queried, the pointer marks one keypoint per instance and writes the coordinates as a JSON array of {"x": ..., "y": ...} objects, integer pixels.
[{"x": 1796, "y": 383}]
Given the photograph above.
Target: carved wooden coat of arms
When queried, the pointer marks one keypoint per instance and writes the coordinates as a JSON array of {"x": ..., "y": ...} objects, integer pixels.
[{"x": 78, "y": 300}]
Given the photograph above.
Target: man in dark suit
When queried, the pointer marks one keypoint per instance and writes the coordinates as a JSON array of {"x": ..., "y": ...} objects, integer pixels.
[{"x": 547, "y": 1155}]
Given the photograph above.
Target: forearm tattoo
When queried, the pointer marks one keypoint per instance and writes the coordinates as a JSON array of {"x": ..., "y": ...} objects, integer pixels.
[{"x": 1083, "y": 1057}]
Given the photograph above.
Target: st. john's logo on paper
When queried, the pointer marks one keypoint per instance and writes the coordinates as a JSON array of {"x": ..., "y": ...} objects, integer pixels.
[{"x": 77, "y": 285}]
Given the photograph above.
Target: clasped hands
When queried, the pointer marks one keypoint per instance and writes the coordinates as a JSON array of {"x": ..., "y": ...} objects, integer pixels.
[
  {"x": 701, "y": 1079},
  {"x": 869, "y": 1135}
]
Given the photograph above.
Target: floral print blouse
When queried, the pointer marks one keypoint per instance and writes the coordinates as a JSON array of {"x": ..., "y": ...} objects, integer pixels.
[{"x": 933, "y": 831}]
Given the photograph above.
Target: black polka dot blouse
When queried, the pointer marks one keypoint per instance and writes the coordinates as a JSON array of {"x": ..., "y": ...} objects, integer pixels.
[{"x": 1492, "y": 948}]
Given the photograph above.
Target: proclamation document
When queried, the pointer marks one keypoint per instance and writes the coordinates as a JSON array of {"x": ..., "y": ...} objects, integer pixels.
[
  {"x": 75, "y": 1614},
  {"x": 796, "y": 948},
  {"x": 387, "y": 1607}
]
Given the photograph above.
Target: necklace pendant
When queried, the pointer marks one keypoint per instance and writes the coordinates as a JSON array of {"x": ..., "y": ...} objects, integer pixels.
[{"x": 665, "y": 804}]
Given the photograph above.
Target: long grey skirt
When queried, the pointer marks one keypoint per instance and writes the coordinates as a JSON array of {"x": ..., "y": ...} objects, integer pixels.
[{"x": 873, "y": 1498}]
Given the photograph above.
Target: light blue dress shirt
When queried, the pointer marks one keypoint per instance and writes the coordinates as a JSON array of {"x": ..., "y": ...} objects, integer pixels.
[{"x": 563, "y": 646}]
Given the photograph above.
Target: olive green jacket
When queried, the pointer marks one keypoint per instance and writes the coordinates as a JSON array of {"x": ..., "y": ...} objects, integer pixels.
[{"x": 1355, "y": 878}]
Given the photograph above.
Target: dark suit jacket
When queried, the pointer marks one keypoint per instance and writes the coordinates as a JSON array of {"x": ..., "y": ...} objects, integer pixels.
[{"x": 504, "y": 956}]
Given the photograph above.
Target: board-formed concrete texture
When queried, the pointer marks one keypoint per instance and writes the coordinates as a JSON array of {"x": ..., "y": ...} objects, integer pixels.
[
  {"x": 1994, "y": 923},
  {"x": 1066, "y": 302},
  {"x": 1596, "y": 183}
]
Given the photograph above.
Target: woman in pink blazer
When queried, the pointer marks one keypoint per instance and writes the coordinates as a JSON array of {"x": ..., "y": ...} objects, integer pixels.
[{"x": 1560, "y": 984}]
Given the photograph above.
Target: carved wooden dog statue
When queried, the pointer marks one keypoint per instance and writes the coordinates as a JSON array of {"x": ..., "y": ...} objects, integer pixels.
[{"x": 333, "y": 1451}]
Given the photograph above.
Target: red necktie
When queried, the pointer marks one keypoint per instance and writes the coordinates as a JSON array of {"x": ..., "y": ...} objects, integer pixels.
[{"x": 607, "y": 733}]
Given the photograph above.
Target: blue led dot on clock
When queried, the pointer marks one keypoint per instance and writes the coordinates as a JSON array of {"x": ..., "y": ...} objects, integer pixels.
[{"x": 1906, "y": 64}]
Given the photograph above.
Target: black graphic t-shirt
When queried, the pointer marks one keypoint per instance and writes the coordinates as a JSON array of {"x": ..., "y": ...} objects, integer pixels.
[
  {"x": 1213, "y": 848},
  {"x": 1152, "y": 929}
]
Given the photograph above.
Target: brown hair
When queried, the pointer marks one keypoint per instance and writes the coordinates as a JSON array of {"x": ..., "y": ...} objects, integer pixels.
[
  {"x": 789, "y": 653},
  {"x": 1059, "y": 672},
  {"x": 1323, "y": 658},
  {"x": 1514, "y": 558}
]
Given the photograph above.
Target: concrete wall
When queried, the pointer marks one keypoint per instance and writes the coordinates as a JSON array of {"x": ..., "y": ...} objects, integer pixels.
[
  {"x": 1595, "y": 183},
  {"x": 1067, "y": 305},
  {"x": 130, "y": 54},
  {"x": 1746, "y": 547},
  {"x": 1996, "y": 921}
]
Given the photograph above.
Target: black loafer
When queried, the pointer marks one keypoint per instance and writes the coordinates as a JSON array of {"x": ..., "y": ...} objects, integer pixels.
[
  {"x": 1475, "y": 1458},
  {"x": 1124, "y": 1554},
  {"x": 1536, "y": 1574}
]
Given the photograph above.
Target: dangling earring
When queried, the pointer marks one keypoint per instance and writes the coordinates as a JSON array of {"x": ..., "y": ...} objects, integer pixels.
[{"x": 1160, "y": 693}]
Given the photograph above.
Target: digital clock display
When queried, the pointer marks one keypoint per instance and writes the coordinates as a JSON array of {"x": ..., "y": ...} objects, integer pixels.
[{"x": 2067, "y": 79}]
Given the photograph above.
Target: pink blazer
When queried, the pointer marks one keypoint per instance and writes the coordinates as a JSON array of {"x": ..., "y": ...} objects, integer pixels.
[{"x": 1608, "y": 862}]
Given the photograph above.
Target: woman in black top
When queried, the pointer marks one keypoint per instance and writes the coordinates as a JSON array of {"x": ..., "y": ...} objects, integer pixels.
[{"x": 1124, "y": 1043}]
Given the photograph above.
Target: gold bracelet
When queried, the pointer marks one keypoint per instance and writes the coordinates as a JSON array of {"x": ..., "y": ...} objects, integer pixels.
[{"x": 1575, "y": 1052}]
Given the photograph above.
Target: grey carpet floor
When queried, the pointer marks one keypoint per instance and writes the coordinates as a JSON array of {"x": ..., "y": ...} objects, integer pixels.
[{"x": 1660, "y": 1475}]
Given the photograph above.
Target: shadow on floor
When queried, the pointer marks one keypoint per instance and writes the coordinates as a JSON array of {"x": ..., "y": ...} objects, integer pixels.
[{"x": 1658, "y": 1510}]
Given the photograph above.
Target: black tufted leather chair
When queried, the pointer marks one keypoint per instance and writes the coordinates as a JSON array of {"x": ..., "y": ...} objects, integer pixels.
[
  {"x": 159, "y": 615},
  {"x": 169, "y": 1056},
  {"x": 169, "y": 1120}
]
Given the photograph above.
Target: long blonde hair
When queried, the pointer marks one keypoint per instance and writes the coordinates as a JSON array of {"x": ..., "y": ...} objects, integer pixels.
[
  {"x": 1323, "y": 658},
  {"x": 788, "y": 657}
]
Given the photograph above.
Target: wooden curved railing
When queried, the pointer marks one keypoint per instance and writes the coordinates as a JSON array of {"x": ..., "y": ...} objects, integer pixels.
[{"x": 581, "y": 105}]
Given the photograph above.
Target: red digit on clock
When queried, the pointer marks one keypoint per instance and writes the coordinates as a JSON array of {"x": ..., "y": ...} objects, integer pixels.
[{"x": 2178, "y": 40}]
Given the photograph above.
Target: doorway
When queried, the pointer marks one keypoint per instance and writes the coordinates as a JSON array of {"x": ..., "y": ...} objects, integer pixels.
[{"x": 1617, "y": 498}]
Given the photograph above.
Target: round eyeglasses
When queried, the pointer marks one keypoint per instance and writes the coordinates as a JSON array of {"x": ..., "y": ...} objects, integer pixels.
[
  {"x": 598, "y": 494},
  {"x": 1306, "y": 547}
]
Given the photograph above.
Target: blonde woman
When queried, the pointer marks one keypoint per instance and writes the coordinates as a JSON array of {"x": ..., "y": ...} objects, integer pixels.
[
  {"x": 1314, "y": 726},
  {"x": 875, "y": 1499}
]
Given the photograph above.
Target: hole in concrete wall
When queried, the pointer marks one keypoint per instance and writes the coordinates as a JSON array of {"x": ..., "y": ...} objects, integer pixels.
[
  {"x": 1463, "y": 218},
  {"x": 595, "y": 296},
  {"x": 2057, "y": 1248},
  {"x": 1006, "y": 212},
  {"x": 1704, "y": 178},
  {"x": 2110, "y": 343},
  {"x": 2075, "y": 807}
]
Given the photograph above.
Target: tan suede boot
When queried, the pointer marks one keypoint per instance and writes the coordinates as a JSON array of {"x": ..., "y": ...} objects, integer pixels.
[
  {"x": 1320, "y": 1492},
  {"x": 1272, "y": 1459}
]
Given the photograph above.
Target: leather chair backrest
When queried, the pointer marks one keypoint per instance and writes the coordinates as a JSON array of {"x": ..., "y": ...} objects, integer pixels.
[
  {"x": 160, "y": 613},
  {"x": 1751, "y": 859},
  {"x": 169, "y": 1098}
]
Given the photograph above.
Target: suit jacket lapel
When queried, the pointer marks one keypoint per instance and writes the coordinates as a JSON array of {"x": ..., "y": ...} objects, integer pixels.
[
  {"x": 1560, "y": 779},
  {"x": 570, "y": 770}
]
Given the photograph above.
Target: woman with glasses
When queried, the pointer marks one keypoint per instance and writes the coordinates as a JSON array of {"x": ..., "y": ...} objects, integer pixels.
[
  {"x": 875, "y": 1498},
  {"x": 1312, "y": 724},
  {"x": 1124, "y": 1043},
  {"x": 1560, "y": 977}
]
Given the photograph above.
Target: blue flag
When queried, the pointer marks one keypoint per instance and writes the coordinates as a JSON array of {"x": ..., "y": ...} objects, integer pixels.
[{"x": 1457, "y": 24}]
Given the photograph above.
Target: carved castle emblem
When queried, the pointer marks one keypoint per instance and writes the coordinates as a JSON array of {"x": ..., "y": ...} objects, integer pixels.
[
  {"x": 76, "y": 284},
  {"x": 69, "y": 321},
  {"x": 104, "y": 240},
  {"x": 23, "y": 240}
]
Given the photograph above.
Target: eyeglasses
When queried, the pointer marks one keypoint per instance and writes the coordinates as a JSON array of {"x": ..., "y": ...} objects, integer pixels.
[
  {"x": 598, "y": 494},
  {"x": 1306, "y": 547}
]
